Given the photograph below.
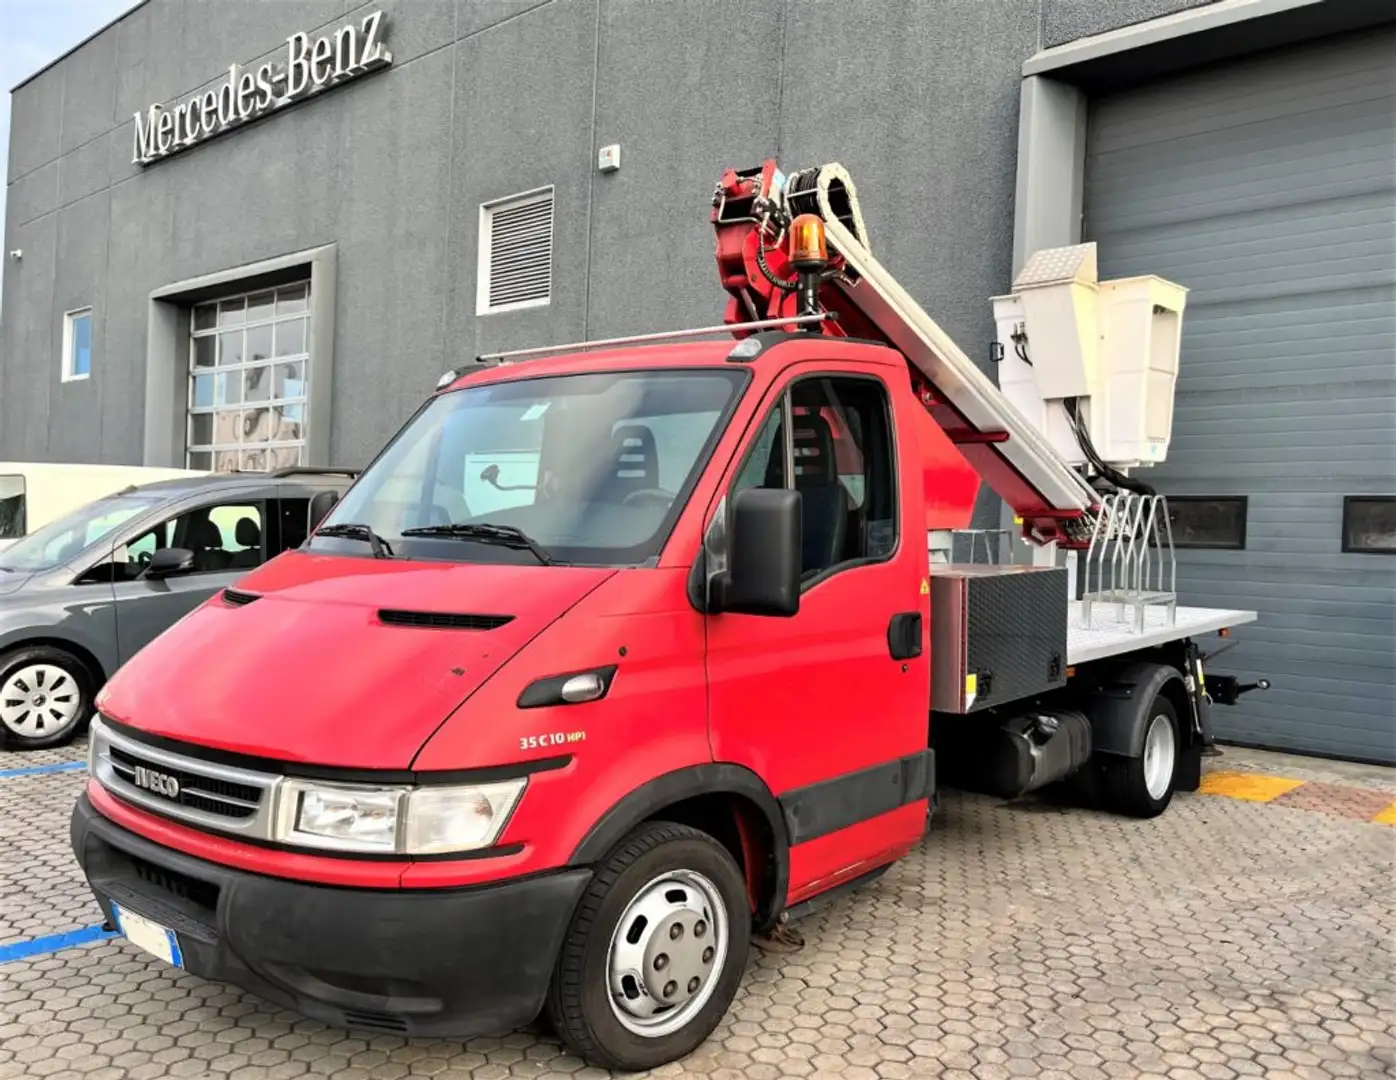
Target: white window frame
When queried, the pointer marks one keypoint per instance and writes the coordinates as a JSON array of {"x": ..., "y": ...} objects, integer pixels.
[
  {"x": 69, "y": 375},
  {"x": 303, "y": 358},
  {"x": 482, "y": 268}
]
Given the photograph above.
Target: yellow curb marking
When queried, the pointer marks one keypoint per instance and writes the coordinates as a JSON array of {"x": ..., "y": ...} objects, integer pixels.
[
  {"x": 1387, "y": 816},
  {"x": 1252, "y": 787}
]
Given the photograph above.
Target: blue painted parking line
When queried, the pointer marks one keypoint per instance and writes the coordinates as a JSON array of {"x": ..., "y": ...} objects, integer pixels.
[
  {"x": 35, "y": 770},
  {"x": 22, "y": 950}
]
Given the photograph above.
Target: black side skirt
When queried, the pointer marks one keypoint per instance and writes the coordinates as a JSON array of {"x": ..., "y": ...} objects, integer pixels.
[{"x": 830, "y": 805}]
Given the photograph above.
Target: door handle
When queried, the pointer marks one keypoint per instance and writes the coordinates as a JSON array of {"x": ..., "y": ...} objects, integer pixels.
[{"x": 904, "y": 635}]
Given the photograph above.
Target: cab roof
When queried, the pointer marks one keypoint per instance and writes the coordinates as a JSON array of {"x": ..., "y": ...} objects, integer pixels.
[{"x": 667, "y": 355}]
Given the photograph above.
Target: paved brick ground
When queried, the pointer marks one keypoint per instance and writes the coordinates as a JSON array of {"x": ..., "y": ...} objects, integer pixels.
[{"x": 1227, "y": 939}]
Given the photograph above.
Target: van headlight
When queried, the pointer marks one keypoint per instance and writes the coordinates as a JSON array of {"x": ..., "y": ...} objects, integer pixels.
[{"x": 394, "y": 820}]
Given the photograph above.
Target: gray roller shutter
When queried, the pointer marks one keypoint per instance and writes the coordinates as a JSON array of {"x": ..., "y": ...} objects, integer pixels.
[{"x": 1266, "y": 187}]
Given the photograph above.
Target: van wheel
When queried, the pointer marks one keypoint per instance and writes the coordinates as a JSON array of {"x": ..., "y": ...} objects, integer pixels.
[
  {"x": 655, "y": 952},
  {"x": 1143, "y": 786},
  {"x": 45, "y": 697}
]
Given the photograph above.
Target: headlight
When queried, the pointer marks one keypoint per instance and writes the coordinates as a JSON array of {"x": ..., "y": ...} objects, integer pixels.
[{"x": 394, "y": 820}]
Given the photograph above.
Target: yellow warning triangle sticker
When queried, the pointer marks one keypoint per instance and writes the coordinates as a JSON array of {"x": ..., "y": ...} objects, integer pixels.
[{"x": 925, "y": 587}]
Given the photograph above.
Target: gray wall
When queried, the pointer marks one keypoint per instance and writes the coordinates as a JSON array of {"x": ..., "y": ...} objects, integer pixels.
[{"x": 919, "y": 98}]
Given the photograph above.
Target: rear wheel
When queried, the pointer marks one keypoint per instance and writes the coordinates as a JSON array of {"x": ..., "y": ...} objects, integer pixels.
[
  {"x": 1143, "y": 786},
  {"x": 45, "y": 697},
  {"x": 655, "y": 952}
]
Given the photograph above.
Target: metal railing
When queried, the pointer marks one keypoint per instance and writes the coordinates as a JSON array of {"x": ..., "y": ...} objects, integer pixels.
[{"x": 1130, "y": 561}]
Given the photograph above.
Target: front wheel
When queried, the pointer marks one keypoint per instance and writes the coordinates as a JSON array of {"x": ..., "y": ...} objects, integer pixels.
[
  {"x": 655, "y": 952},
  {"x": 1143, "y": 786},
  {"x": 45, "y": 697}
]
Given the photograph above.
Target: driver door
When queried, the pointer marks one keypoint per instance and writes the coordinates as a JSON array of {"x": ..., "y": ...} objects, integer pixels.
[
  {"x": 228, "y": 538},
  {"x": 822, "y": 705}
]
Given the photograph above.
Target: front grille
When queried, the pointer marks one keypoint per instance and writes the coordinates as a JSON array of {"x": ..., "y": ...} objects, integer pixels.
[
  {"x": 187, "y": 787},
  {"x": 443, "y": 620},
  {"x": 200, "y": 893},
  {"x": 210, "y": 794}
]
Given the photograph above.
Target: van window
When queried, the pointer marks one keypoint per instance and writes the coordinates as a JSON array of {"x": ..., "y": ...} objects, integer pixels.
[
  {"x": 68, "y": 536},
  {"x": 11, "y": 507}
]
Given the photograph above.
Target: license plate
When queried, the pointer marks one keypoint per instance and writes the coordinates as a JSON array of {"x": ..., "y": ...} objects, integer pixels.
[{"x": 149, "y": 935}]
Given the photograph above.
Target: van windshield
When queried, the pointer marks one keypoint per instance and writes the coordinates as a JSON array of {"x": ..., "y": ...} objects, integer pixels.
[
  {"x": 590, "y": 468},
  {"x": 66, "y": 537}
]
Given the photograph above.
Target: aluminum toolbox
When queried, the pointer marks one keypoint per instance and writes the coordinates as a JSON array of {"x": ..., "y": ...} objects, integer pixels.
[{"x": 998, "y": 633}]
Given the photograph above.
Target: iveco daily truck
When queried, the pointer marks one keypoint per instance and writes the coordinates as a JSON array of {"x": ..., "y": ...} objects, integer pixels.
[{"x": 621, "y": 653}]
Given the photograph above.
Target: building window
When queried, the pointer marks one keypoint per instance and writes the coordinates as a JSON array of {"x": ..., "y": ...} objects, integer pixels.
[
  {"x": 1208, "y": 521},
  {"x": 247, "y": 381},
  {"x": 1369, "y": 524},
  {"x": 516, "y": 253},
  {"x": 77, "y": 344},
  {"x": 12, "y": 525}
]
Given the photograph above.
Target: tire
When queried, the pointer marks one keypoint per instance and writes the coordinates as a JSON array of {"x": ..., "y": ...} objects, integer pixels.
[
  {"x": 45, "y": 697},
  {"x": 662, "y": 883},
  {"x": 1143, "y": 786}
]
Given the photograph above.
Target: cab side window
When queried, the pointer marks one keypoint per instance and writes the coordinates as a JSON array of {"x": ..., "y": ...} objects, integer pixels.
[{"x": 844, "y": 469}]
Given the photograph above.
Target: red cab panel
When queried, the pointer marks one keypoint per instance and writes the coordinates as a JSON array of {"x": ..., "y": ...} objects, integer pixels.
[{"x": 311, "y": 672}]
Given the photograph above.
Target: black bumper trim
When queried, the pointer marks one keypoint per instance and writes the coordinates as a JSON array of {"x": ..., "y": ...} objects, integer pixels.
[{"x": 436, "y": 963}]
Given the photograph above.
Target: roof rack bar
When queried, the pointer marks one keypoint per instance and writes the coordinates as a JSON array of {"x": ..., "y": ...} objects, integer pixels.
[
  {"x": 311, "y": 470},
  {"x": 668, "y": 335}
]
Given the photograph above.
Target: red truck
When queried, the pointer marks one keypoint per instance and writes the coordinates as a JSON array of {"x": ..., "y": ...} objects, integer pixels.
[{"x": 439, "y": 771}]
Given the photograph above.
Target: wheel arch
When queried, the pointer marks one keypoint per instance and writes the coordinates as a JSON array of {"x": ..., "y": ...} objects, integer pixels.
[
  {"x": 81, "y": 652},
  {"x": 1119, "y": 710},
  {"x": 730, "y": 803}
]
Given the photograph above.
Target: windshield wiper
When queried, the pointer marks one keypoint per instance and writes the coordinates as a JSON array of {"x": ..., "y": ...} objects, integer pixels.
[
  {"x": 485, "y": 533},
  {"x": 355, "y": 531}
]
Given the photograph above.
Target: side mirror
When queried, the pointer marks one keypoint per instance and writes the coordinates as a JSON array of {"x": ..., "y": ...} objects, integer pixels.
[
  {"x": 763, "y": 555},
  {"x": 168, "y": 562},
  {"x": 321, "y": 503}
]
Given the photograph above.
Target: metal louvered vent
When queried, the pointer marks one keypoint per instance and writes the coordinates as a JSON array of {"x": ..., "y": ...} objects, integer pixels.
[
  {"x": 516, "y": 253},
  {"x": 443, "y": 620},
  {"x": 233, "y": 598}
]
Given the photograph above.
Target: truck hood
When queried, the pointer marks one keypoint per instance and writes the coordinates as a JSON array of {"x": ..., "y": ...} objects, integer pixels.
[{"x": 330, "y": 664}]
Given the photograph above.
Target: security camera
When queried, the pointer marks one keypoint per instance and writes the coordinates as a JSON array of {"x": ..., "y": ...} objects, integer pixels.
[{"x": 16, "y": 254}]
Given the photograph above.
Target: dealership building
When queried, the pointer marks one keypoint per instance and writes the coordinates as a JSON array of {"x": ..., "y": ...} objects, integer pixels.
[{"x": 252, "y": 234}]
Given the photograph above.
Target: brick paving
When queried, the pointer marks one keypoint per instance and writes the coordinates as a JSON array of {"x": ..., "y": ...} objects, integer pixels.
[
  {"x": 1360, "y": 804},
  {"x": 1226, "y": 939}
]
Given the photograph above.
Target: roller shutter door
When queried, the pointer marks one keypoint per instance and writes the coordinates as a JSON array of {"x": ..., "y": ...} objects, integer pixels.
[{"x": 1267, "y": 187}]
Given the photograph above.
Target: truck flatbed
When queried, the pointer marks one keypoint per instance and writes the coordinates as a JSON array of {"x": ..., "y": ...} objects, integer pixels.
[{"x": 1112, "y": 634}]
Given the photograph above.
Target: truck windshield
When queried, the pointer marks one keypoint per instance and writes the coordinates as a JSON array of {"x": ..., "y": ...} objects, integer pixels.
[
  {"x": 589, "y": 468},
  {"x": 68, "y": 536}
]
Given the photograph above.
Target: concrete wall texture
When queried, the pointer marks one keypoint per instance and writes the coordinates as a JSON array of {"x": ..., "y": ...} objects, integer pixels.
[{"x": 919, "y": 98}]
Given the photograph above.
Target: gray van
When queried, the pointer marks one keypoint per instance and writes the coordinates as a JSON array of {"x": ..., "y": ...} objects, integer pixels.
[{"x": 81, "y": 595}]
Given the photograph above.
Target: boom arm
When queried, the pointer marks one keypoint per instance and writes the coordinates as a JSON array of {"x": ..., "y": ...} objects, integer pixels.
[{"x": 752, "y": 212}]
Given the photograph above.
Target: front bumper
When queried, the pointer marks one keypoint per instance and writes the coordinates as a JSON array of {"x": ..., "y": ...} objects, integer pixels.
[{"x": 441, "y": 963}]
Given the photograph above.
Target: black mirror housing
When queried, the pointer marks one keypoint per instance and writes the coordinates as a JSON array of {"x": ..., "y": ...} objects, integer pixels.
[
  {"x": 763, "y": 555},
  {"x": 321, "y": 503},
  {"x": 168, "y": 562}
]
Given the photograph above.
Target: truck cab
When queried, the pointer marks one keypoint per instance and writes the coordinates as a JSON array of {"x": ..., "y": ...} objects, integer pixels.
[{"x": 683, "y": 643}]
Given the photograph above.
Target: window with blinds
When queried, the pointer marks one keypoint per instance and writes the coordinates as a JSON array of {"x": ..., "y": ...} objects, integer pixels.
[{"x": 516, "y": 253}]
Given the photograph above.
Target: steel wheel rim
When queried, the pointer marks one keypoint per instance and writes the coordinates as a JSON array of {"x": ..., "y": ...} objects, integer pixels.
[
  {"x": 671, "y": 938},
  {"x": 39, "y": 700},
  {"x": 1160, "y": 750}
]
